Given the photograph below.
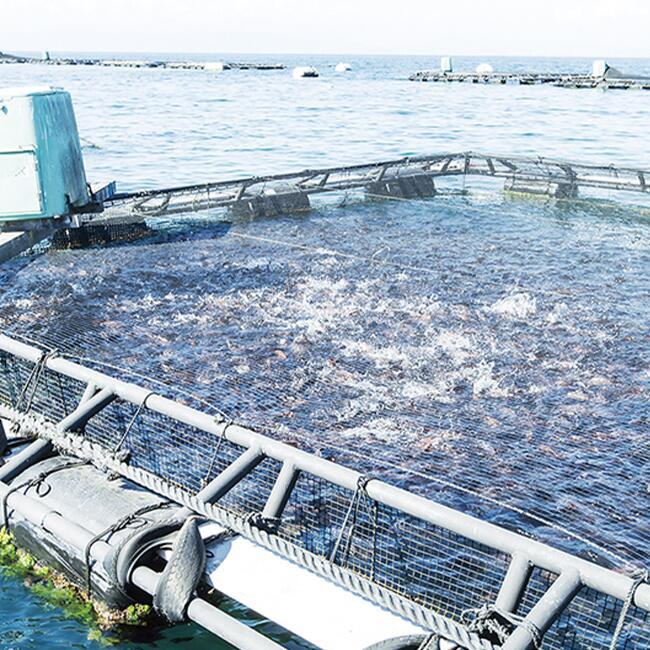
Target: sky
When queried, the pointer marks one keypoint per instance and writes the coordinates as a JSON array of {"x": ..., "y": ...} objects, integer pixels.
[{"x": 590, "y": 28}]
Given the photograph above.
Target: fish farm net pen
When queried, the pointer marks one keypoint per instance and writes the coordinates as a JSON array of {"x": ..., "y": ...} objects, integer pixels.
[
  {"x": 490, "y": 372},
  {"x": 413, "y": 560}
]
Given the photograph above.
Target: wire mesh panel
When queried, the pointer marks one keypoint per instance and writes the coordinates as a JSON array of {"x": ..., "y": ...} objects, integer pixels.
[
  {"x": 30, "y": 387},
  {"x": 429, "y": 565},
  {"x": 590, "y": 620}
]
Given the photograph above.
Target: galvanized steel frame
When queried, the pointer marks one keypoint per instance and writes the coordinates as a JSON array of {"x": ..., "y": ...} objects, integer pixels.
[
  {"x": 225, "y": 194},
  {"x": 525, "y": 553}
]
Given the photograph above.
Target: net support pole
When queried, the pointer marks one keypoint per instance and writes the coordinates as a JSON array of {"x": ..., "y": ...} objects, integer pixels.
[
  {"x": 281, "y": 491},
  {"x": 230, "y": 476},
  {"x": 86, "y": 410},
  {"x": 528, "y": 634},
  {"x": 89, "y": 392},
  {"x": 514, "y": 584}
]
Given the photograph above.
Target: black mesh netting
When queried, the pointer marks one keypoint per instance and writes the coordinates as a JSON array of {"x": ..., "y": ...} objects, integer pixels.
[{"x": 486, "y": 354}]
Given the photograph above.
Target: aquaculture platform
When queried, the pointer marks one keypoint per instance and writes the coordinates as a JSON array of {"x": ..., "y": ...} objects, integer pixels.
[
  {"x": 563, "y": 80},
  {"x": 140, "y": 63}
]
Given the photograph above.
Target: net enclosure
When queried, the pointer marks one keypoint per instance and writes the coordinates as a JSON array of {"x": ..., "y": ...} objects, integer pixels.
[{"x": 485, "y": 354}]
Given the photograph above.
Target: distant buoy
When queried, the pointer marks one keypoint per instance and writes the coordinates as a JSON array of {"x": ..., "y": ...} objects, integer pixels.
[
  {"x": 343, "y": 67},
  {"x": 599, "y": 68},
  {"x": 304, "y": 71},
  {"x": 445, "y": 64},
  {"x": 213, "y": 66},
  {"x": 484, "y": 68}
]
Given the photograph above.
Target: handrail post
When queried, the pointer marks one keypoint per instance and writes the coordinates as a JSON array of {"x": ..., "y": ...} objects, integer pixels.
[
  {"x": 281, "y": 491},
  {"x": 86, "y": 410},
  {"x": 514, "y": 583},
  {"x": 231, "y": 475},
  {"x": 528, "y": 634}
]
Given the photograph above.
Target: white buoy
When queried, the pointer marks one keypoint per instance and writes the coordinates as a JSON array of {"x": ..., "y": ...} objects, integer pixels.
[
  {"x": 214, "y": 66},
  {"x": 343, "y": 67},
  {"x": 304, "y": 71},
  {"x": 484, "y": 68},
  {"x": 599, "y": 68},
  {"x": 445, "y": 64}
]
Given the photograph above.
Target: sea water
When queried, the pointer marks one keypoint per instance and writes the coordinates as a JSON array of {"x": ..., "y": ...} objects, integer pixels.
[{"x": 500, "y": 345}]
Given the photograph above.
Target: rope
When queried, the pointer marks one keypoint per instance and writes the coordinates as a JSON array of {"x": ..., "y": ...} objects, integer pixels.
[
  {"x": 362, "y": 483},
  {"x": 483, "y": 622},
  {"x": 205, "y": 480},
  {"x": 639, "y": 577},
  {"x": 37, "y": 482},
  {"x": 129, "y": 426},
  {"x": 120, "y": 524},
  {"x": 34, "y": 377}
]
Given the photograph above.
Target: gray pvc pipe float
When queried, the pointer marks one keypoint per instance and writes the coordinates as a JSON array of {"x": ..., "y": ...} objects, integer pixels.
[
  {"x": 599, "y": 578},
  {"x": 209, "y": 617},
  {"x": 34, "y": 452}
]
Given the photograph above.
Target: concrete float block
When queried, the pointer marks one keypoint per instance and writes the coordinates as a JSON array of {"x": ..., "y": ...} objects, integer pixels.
[
  {"x": 552, "y": 189},
  {"x": 271, "y": 204},
  {"x": 404, "y": 187}
]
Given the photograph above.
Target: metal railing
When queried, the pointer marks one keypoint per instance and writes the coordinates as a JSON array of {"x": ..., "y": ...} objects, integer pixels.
[{"x": 228, "y": 194}]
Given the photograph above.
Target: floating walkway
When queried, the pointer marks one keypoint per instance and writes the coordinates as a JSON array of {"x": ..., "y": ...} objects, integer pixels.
[
  {"x": 344, "y": 560},
  {"x": 213, "y": 66}
]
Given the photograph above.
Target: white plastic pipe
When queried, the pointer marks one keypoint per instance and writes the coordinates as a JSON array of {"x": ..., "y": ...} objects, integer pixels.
[{"x": 302, "y": 602}]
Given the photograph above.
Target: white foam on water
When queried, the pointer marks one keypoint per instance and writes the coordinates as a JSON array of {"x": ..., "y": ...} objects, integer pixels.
[
  {"x": 384, "y": 430},
  {"x": 457, "y": 346},
  {"x": 517, "y": 306},
  {"x": 558, "y": 314},
  {"x": 381, "y": 356},
  {"x": 439, "y": 390},
  {"x": 485, "y": 384}
]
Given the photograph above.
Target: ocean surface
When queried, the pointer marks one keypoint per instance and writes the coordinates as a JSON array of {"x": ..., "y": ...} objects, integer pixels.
[{"x": 486, "y": 351}]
